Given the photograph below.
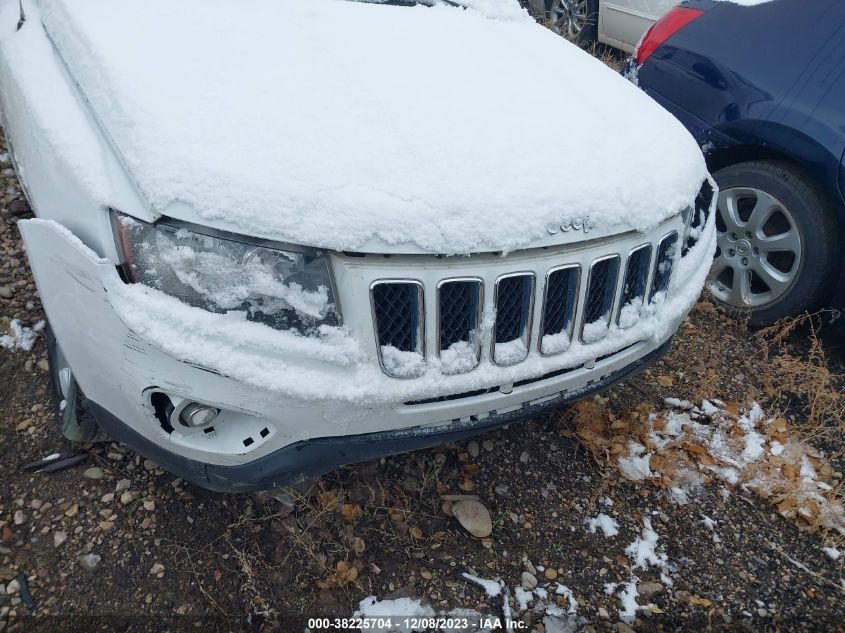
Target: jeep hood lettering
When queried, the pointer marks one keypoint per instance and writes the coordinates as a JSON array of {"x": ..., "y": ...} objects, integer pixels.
[{"x": 345, "y": 125}]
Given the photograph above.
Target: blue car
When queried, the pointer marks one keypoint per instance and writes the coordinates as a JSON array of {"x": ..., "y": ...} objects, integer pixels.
[{"x": 761, "y": 87}]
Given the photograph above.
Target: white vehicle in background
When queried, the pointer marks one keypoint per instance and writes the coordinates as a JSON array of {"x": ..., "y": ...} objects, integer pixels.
[
  {"x": 618, "y": 23},
  {"x": 275, "y": 240}
]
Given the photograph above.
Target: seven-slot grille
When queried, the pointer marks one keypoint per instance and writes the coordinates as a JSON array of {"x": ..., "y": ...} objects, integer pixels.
[{"x": 399, "y": 314}]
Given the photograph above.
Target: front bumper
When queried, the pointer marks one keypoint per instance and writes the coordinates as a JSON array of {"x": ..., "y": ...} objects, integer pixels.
[
  {"x": 319, "y": 455},
  {"x": 295, "y": 406}
]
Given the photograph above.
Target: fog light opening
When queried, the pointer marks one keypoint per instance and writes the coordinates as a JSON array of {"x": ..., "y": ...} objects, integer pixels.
[
  {"x": 198, "y": 416},
  {"x": 163, "y": 408}
]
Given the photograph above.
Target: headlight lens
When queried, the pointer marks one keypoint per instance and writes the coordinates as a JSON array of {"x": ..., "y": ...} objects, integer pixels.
[{"x": 283, "y": 289}]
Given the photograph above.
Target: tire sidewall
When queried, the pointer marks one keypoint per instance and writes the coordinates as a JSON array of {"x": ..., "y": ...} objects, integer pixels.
[{"x": 816, "y": 226}]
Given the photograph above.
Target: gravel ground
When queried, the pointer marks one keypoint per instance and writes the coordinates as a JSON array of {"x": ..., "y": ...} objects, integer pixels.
[{"x": 115, "y": 543}]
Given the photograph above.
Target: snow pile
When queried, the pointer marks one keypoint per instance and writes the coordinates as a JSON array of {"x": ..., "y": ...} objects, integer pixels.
[
  {"x": 606, "y": 524},
  {"x": 396, "y": 610},
  {"x": 382, "y": 127},
  {"x": 685, "y": 446},
  {"x": 511, "y": 352},
  {"x": 20, "y": 336},
  {"x": 555, "y": 343},
  {"x": 595, "y": 331}
]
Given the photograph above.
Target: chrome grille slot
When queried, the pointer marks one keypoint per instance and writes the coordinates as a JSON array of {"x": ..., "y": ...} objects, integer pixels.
[
  {"x": 599, "y": 301},
  {"x": 512, "y": 330},
  {"x": 634, "y": 286},
  {"x": 399, "y": 318},
  {"x": 559, "y": 301},
  {"x": 664, "y": 261},
  {"x": 459, "y": 306}
]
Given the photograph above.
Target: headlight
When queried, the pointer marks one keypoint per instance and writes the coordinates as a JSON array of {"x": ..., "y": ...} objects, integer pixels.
[{"x": 285, "y": 289}]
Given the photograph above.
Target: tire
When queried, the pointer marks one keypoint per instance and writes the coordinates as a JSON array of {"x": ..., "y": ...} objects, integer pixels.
[
  {"x": 75, "y": 418},
  {"x": 576, "y": 20},
  {"x": 777, "y": 242}
]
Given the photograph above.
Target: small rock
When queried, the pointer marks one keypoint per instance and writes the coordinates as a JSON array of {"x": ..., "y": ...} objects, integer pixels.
[
  {"x": 648, "y": 589},
  {"x": 150, "y": 505},
  {"x": 123, "y": 484},
  {"x": 156, "y": 569},
  {"x": 95, "y": 472},
  {"x": 603, "y": 614},
  {"x": 72, "y": 510},
  {"x": 59, "y": 538},
  {"x": 43, "y": 365},
  {"x": 6, "y": 292},
  {"x": 127, "y": 497},
  {"x": 488, "y": 445},
  {"x": 761, "y": 612},
  {"x": 105, "y": 526},
  {"x": 107, "y": 498},
  {"x": 14, "y": 587},
  {"x": 473, "y": 449},
  {"x": 621, "y": 627},
  {"x": 20, "y": 517},
  {"x": 114, "y": 456},
  {"x": 523, "y": 457},
  {"x": 501, "y": 489},
  {"x": 550, "y": 573},
  {"x": 89, "y": 562},
  {"x": 528, "y": 581},
  {"x": 474, "y": 517}
]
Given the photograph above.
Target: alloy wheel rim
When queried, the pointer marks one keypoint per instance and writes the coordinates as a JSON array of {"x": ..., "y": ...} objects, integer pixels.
[
  {"x": 759, "y": 249},
  {"x": 569, "y": 17}
]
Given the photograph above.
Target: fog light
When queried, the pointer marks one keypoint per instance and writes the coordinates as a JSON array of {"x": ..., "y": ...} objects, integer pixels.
[{"x": 197, "y": 415}]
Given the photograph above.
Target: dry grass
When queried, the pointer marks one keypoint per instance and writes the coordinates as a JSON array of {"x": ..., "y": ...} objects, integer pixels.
[{"x": 799, "y": 378}]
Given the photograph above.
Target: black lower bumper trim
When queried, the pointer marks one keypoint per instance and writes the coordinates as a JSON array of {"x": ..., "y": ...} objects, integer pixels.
[{"x": 320, "y": 455}]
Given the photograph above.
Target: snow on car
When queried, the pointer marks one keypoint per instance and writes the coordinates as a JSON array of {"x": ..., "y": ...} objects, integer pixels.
[{"x": 300, "y": 234}]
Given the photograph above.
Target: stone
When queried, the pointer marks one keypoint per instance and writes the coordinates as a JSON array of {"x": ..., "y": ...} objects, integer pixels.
[
  {"x": 550, "y": 573},
  {"x": 43, "y": 365},
  {"x": 603, "y": 614},
  {"x": 89, "y": 562},
  {"x": 123, "y": 484},
  {"x": 59, "y": 538},
  {"x": 488, "y": 445},
  {"x": 127, "y": 497},
  {"x": 6, "y": 292},
  {"x": 528, "y": 581},
  {"x": 473, "y": 449},
  {"x": 156, "y": 569},
  {"x": 107, "y": 498},
  {"x": 14, "y": 587},
  {"x": 95, "y": 472},
  {"x": 19, "y": 517},
  {"x": 648, "y": 589},
  {"x": 523, "y": 457},
  {"x": 105, "y": 526},
  {"x": 149, "y": 505},
  {"x": 621, "y": 627},
  {"x": 474, "y": 517}
]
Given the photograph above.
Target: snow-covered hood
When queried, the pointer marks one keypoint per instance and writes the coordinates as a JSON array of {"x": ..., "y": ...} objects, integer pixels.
[{"x": 343, "y": 125}]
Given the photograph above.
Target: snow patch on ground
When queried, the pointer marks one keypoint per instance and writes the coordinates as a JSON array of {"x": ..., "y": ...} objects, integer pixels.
[
  {"x": 636, "y": 466},
  {"x": 606, "y": 524},
  {"x": 21, "y": 336},
  {"x": 491, "y": 587}
]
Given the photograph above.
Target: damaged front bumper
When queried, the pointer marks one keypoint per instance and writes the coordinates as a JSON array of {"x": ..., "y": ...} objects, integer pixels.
[{"x": 293, "y": 406}]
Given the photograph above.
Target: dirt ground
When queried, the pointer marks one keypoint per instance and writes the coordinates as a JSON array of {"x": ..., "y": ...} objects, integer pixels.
[{"x": 115, "y": 543}]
